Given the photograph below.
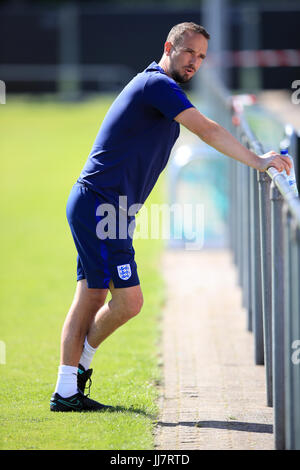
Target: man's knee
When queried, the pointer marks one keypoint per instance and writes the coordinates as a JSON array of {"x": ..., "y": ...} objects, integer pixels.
[
  {"x": 130, "y": 303},
  {"x": 92, "y": 299},
  {"x": 137, "y": 306},
  {"x": 132, "y": 307}
]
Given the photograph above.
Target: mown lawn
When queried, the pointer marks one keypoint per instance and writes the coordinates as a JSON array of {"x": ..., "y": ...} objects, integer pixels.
[{"x": 43, "y": 148}]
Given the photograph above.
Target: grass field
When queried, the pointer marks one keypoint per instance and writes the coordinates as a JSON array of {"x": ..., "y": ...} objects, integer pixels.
[{"x": 43, "y": 148}]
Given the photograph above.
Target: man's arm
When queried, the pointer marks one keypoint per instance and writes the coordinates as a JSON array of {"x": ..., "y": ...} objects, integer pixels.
[{"x": 219, "y": 138}]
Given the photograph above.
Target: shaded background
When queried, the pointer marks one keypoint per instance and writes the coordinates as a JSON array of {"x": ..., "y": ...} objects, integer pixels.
[{"x": 76, "y": 47}]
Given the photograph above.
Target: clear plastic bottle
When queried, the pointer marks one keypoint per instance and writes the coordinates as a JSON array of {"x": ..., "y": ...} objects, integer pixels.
[{"x": 291, "y": 177}]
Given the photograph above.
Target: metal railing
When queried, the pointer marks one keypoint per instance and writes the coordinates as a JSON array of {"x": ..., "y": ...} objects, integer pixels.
[
  {"x": 68, "y": 77},
  {"x": 265, "y": 241}
]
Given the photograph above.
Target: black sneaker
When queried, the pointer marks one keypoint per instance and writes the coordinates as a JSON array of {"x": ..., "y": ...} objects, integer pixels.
[
  {"x": 77, "y": 402},
  {"x": 82, "y": 377}
]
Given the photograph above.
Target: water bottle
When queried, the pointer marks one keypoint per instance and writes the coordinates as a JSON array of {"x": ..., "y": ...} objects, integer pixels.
[{"x": 291, "y": 177}]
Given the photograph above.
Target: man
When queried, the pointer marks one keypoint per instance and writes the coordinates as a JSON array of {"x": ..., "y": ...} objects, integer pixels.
[{"x": 130, "y": 151}]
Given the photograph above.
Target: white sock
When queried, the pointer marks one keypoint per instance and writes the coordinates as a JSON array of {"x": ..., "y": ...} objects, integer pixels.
[
  {"x": 66, "y": 384},
  {"x": 87, "y": 355}
]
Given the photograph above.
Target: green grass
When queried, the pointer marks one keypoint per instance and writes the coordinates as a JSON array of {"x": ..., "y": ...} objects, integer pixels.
[{"x": 43, "y": 148}]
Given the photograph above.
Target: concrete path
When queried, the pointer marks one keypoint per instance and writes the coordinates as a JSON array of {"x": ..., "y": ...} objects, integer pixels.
[{"x": 213, "y": 395}]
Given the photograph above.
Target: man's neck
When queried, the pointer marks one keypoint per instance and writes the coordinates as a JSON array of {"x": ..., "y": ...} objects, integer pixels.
[{"x": 164, "y": 65}]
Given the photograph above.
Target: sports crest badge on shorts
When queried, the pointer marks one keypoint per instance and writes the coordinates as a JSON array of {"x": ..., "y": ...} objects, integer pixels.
[{"x": 124, "y": 271}]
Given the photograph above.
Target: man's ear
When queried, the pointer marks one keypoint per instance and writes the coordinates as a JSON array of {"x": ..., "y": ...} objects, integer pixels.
[{"x": 168, "y": 47}]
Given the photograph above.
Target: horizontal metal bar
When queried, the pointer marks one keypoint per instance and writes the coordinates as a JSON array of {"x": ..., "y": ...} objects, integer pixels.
[{"x": 40, "y": 72}]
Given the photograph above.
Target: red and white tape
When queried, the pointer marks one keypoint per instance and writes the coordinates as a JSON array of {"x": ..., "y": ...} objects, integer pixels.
[{"x": 256, "y": 58}]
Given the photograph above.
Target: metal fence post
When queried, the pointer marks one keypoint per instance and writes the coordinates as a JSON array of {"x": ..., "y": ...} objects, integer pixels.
[
  {"x": 266, "y": 276},
  {"x": 248, "y": 256},
  {"x": 288, "y": 332},
  {"x": 69, "y": 45},
  {"x": 240, "y": 232},
  {"x": 244, "y": 273},
  {"x": 297, "y": 155},
  {"x": 293, "y": 347},
  {"x": 256, "y": 291},
  {"x": 235, "y": 215},
  {"x": 277, "y": 316},
  {"x": 233, "y": 209},
  {"x": 245, "y": 242}
]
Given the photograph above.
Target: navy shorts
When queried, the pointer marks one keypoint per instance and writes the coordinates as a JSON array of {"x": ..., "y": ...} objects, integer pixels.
[{"x": 100, "y": 258}]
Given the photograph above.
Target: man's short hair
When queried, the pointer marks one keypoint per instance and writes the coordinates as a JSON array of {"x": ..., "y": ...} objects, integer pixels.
[{"x": 176, "y": 34}]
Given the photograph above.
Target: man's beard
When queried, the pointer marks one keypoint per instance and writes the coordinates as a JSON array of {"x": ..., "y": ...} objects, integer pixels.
[{"x": 179, "y": 78}]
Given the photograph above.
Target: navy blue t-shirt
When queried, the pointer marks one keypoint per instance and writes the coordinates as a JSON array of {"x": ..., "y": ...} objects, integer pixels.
[{"x": 136, "y": 137}]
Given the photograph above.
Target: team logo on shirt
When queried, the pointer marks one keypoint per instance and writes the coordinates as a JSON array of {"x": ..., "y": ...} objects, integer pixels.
[{"x": 124, "y": 271}]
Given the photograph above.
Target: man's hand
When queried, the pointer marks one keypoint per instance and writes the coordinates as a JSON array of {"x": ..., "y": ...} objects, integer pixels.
[{"x": 275, "y": 160}]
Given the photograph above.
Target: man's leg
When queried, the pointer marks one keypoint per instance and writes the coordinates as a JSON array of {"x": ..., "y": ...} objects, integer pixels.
[
  {"x": 84, "y": 307},
  {"x": 90, "y": 316},
  {"x": 125, "y": 303},
  {"x": 90, "y": 319}
]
